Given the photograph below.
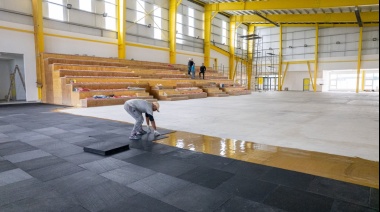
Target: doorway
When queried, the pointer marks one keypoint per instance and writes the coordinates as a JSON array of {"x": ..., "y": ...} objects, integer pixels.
[{"x": 12, "y": 79}]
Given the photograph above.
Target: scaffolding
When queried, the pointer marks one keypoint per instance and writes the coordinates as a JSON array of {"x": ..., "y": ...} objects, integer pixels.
[{"x": 265, "y": 65}]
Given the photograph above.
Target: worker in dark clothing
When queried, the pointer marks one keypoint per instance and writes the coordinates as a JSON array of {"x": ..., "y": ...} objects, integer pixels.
[
  {"x": 202, "y": 71},
  {"x": 189, "y": 65}
]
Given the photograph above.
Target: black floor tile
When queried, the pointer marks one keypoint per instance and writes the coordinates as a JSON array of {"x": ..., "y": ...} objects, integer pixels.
[
  {"x": 158, "y": 185},
  {"x": 6, "y": 165},
  {"x": 374, "y": 198},
  {"x": 103, "y": 195},
  {"x": 142, "y": 203},
  {"x": 14, "y": 147},
  {"x": 75, "y": 183},
  {"x": 50, "y": 201},
  {"x": 247, "y": 188},
  {"x": 128, "y": 154},
  {"x": 341, "y": 190},
  {"x": 207, "y": 177},
  {"x": 128, "y": 174},
  {"x": 183, "y": 154},
  {"x": 197, "y": 198},
  {"x": 104, "y": 165},
  {"x": 294, "y": 200},
  {"x": 82, "y": 158},
  {"x": 341, "y": 206},
  {"x": 55, "y": 171},
  {"x": 39, "y": 163},
  {"x": 243, "y": 205},
  {"x": 288, "y": 178},
  {"x": 212, "y": 161},
  {"x": 22, "y": 190},
  {"x": 241, "y": 168},
  {"x": 161, "y": 164},
  {"x": 106, "y": 148}
]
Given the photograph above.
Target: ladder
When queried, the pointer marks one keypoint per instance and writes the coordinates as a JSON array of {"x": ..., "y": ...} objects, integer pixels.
[{"x": 13, "y": 82}]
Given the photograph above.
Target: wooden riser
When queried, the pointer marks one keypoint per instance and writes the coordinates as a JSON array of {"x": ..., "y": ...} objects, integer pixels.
[{"x": 107, "y": 102}]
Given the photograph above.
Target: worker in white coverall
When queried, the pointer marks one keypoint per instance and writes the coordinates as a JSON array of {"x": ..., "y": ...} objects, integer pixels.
[{"x": 135, "y": 108}]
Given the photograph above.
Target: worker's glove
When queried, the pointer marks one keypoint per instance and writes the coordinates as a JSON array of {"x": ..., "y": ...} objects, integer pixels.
[{"x": 156, "y": 133}]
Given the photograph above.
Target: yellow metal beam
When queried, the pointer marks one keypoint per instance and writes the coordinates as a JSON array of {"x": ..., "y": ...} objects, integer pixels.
[
  {"x": 39, "y": 42},
  {"x": 172, "y": 30},
  {"x": 280, "y": 61},
  {"x": 363, "y": 80},
  {"x": 121, "y": 28},
  {"x": 310, "y": 18},
  {"x": 288, "y": 4},
  {"x": 359, "y": 59},
  {"x": 316, "y": 55},
  {"x": 320, "y": 25},
  {"x": 232, "y": 50},
  {"x": 207, "y": 37},
  {"x": 251, "y": 30}
]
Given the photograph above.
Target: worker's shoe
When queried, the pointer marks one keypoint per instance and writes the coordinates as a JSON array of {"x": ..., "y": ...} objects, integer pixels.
[
  {"x": 142, "y": 132},
  {"x": 134, "y": 137}
]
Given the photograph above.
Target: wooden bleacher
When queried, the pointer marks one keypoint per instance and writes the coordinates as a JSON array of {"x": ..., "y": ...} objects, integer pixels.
[{"x": 84, "y": 81}]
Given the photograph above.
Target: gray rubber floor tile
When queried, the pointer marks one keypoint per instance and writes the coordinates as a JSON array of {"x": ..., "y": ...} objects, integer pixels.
[
  {"x": 128, "y": 154},
  {"x": 197, "y": 198},
  {"x": 39, "y": 163},
  {"x": 103, "y": 195},
  {"x": 161, "y": 164},
  {"x": 290, "y": 199},
  {"x": 104, "y": 165},
  {"x": 142, "y": 203},
  {"x": 128, "y": 174},
  {"x": 349, "y": 207},
  {"x": 14, "y": 147},
  {"x": 207, "y": 177},
  {"x": 10, "y": 128},
  {"x": 82, "y": 158},
  {"x": 159, "y": 185},
  {"x": 50, "y": 131},
  {"x": 243, "y": 205},
  {"x": 76, "y": 182},
  {"x": 241, "y": 168},
  {"x": 341, "y": 190},
  {"x": 32, "y": 138},
  {"x": 6, "y": 165},
  {"x": 24, "y": 156},
  {"x": 50, "y": 201},
  {"x": 13, "y": 176},
  {"x": 21, "y": 190},
  {"x": 55, "y": 171},
  {"x": 42, "y": 142}
]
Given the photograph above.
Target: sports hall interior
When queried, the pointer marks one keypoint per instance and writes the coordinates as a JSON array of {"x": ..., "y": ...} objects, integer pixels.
[{"x": 286, "y": 117}]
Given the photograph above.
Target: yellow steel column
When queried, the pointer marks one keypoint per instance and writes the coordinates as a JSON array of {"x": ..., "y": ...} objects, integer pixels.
[
  {"x": 232, "y": 49},
  {"x": 280, "y": 62},
  {"x": 359, "y": 59},
  {"x": 173, "y": 30},
  {"x": 251, "y": 30},
  {"x": 316, "y": 57},
  {"x": 121, "y": 28},
  {"x": 207, "y": 35},
  {"x": 38, "y": 41},
  {"x": 363, "y": 80}
]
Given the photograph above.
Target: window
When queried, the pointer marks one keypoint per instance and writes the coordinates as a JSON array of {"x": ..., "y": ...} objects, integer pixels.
[
  {"x": 179, "y": 28},
  {"x": 157, "y": 22},
  {"x": 224, "y": 33},
  {"x": 140, "y": 13},
  {"x": 110, "y": 20},
  {"x": 191, "y": 22},
  {"x": 85, "y": 5},
  {"x": 56, "y": 9}
]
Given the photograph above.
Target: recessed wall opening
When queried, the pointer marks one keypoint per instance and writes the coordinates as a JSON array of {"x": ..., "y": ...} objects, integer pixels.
[{"x": 12, "y": 78}]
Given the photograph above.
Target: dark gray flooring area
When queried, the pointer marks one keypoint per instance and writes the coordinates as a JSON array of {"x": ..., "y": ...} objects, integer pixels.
[{"x": 43, "y": 168}]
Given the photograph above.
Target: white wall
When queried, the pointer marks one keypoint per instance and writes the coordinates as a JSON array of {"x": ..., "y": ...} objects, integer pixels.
[{"x": 22, "y": 43}]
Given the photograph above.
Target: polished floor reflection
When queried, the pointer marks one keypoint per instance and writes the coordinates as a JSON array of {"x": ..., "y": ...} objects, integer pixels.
[{"x": 352, "y": 170}]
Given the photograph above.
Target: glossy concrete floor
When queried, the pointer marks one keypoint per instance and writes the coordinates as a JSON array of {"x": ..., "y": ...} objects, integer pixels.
[{"x": 43, "y": 168}]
